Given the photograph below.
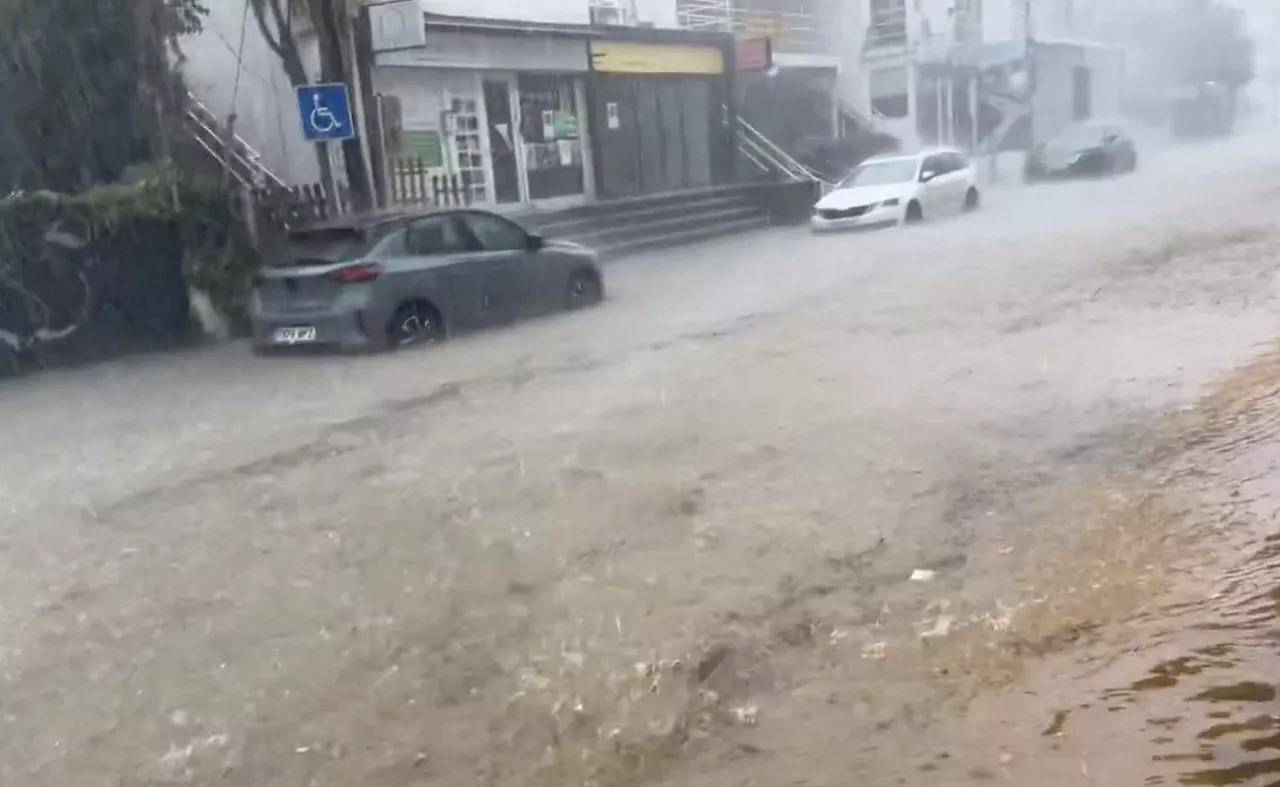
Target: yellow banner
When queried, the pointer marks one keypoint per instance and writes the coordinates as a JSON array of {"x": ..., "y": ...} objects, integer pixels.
[{"x": 628, "y": 57}]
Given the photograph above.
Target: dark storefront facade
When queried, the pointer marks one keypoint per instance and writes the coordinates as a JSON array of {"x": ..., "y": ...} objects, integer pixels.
[{"x": 660, "y": 109}]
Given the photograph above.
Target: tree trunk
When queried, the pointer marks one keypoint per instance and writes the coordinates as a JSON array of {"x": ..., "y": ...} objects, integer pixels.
[
  {"x": 333, "y": 27},
  {"x": 278, "y": 33}
]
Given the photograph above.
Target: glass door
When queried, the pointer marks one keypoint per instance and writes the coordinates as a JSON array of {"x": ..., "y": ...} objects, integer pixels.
[
  {"x": 550, "y": 126},
  {"x": 502, "y": 139}
]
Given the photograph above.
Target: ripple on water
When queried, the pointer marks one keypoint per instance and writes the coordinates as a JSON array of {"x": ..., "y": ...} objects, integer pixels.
[
  {"x": 1186, "y": 692},
  {"x": 1201, "y": 686}
]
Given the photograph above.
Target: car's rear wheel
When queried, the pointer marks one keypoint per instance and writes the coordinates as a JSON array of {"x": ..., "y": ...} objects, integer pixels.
[
  {"x": 972, "y": 200},
  {"x": 585, "y": 289},
  {"x": 914, "y": 214},
  {"x": 416, "y": 322}
]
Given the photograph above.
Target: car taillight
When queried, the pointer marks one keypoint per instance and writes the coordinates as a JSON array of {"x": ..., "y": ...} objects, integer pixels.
[{"x": 365, "y": 271}]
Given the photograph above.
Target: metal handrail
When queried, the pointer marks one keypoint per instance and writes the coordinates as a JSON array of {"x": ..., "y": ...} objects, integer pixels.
[
  {"x": 779, "y": 158},
  {"x": 209, "y": 113},
  {"x": 234, "y": 148}
]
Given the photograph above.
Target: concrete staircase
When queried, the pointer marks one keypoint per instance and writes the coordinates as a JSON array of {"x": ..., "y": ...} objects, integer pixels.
[{"x": 618, "y": 228}]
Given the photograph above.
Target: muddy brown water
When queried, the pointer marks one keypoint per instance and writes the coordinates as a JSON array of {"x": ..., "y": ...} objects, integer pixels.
[
  {"x": 1183, "y": 686},
  {"x": 672, "y": 541}
]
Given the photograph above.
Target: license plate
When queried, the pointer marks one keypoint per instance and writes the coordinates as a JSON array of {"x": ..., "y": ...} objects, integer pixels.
[{"x": 295, "y": 335}]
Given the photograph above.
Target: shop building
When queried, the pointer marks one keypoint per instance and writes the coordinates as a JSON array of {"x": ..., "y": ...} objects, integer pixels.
[
  {"x": 661, "y": 110},
  {"x": 499, "y": 104},
  {"x": 552, "y": 114}
]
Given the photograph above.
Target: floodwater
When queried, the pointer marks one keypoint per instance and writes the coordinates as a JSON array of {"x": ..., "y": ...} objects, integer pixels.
[{"x": 986, "y": 500}]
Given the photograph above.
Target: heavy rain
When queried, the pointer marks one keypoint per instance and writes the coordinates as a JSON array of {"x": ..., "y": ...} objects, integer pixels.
[{"x": 984, "y": 496}]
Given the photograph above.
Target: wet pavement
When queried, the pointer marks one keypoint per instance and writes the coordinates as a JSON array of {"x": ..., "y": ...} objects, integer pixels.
[{"x": 979, "y": 501}]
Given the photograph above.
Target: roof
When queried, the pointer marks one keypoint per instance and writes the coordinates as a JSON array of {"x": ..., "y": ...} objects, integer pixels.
[
  {"x": 1077, "y": 43},
  {"x": 505, "y": 26},
  {"x": 651, "y": 35}
]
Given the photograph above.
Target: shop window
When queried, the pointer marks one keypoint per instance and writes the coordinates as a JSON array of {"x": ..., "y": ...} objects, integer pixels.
[{"x": 550, "y": 130}]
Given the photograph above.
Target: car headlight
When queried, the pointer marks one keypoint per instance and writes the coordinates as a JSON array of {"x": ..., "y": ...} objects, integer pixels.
[{"x": 889, "y": 203}]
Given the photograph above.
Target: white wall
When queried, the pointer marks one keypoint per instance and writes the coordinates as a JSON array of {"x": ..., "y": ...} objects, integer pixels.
[
  {"x": 660, "y": 13},
  {"x": 1054, "y": 86},
  {"x": 560, "y": 11},
  {"x": 264, "y": 103},
  {"x": 1001, "y": 21}
]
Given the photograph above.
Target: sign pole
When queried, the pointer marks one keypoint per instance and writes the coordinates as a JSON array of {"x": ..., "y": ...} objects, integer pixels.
[
  {"x": 334, "y": 202},
  {"x": 325, "y": 113}
]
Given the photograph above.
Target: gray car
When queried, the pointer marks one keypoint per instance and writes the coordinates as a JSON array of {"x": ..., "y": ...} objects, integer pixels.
[{"x": 394, "y": 279}]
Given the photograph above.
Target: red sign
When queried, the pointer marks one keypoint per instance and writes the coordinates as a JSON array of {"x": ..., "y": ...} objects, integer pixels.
[{"x": 753, "y": 54}]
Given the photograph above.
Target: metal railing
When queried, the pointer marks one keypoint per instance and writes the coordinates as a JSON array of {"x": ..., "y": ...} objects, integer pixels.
[
  {"x": 888, "y": 28},
  {"x": 769, "y": 158},
  {"x": 801, "y": 29},
  {"x": 231, "y": 151}
]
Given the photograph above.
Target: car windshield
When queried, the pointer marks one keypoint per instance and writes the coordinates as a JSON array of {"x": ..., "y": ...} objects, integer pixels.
[
  {"x": 327, "y": 245},
  {"x": 881, "y": 173}
]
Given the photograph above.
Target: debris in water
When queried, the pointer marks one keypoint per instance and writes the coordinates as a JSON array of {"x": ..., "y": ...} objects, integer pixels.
[
  {"x": 922, "y": 575},
  {"x": 747, "y": 714},
  {"x": 941, "y": 627},
  {"x": 1054, "y": 730},
  {"x": 874, "y": 650}
]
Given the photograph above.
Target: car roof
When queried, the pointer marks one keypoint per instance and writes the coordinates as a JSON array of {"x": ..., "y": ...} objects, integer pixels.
[
  {"x": 355, "y": 221},
  {"x": 891, "y": 157},
  {"x": 375, "y": 219},
  {"x": 381, "y": 218},
  {"x": 912, "y": 156}
]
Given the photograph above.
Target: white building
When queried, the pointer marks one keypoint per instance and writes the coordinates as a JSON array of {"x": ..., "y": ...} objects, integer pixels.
[
  {"x": 868, "y": 53},
  {"x": 231, "y": 69},
  {"x": 911, "y": 44}
]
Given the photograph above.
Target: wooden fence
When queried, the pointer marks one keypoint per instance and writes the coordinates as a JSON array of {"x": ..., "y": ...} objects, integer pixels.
[{"x": 412, "y": 184}]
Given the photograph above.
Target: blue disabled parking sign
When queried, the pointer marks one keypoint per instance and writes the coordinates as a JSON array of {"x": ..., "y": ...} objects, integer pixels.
[{"x": 325, "y": 111}]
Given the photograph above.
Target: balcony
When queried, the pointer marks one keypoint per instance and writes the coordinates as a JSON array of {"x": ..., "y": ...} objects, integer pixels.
[
  {"x": 794, "y": 26},
  {"x": 887, "y": 28}
]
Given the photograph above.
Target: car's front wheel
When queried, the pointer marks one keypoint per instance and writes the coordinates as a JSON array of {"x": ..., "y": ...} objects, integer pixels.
[
  {"x": 585, "y": 289},
  {"x": 416, "y": 322},
  {"x": 914, "y": 214},
  {"x": 972, "y": 200}
]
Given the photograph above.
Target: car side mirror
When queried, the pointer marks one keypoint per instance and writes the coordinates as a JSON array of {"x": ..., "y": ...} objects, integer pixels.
[
  {"x": 1110, "y": 139},
  {"x": 927, "y": 176},
  {"x": 534, "y": 242}
]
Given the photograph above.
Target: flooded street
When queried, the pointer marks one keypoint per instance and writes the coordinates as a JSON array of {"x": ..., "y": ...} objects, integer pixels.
[{"x": 986, "y": 500}]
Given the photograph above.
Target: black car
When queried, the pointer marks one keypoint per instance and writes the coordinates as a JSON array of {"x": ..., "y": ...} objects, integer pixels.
[{"x": 1083, "y": 151}]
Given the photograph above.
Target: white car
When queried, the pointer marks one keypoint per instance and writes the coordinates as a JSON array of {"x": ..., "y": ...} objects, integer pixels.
[{"x": 894, "y": 189}]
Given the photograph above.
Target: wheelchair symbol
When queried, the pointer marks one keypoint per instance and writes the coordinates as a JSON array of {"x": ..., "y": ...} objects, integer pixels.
[{"x": 322, "y": 119}]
